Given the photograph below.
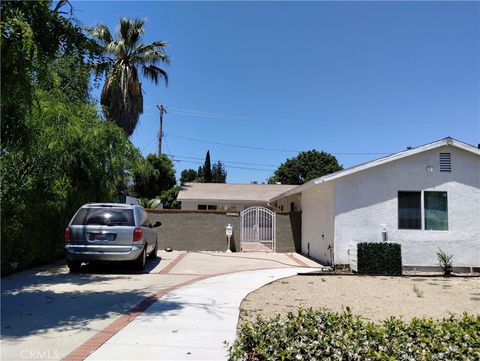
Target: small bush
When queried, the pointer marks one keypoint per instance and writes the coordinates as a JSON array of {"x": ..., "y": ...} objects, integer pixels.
[
  {"x": 379, "y": 258},
  {"x": 445, "y": 262},
  {"x": 327, "y": 335}
]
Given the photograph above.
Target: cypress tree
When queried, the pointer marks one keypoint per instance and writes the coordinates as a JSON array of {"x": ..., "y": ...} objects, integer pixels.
[{"x": 207, "y": 169}]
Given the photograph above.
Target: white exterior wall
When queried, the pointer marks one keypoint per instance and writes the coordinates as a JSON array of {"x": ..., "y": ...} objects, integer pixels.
[
  {"x": 367, "y": 199},
  {"x": 317, "y": 220}
]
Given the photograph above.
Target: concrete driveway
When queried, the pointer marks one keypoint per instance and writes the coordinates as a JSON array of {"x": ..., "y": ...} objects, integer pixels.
[{"x": 48, "y": 313}]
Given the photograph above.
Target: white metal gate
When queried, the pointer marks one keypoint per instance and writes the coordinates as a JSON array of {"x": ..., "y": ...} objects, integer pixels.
[{"x": 257, "y": 230}]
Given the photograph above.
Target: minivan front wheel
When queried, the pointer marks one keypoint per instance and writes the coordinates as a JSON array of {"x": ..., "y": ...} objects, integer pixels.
[
  {"x": 141, "y": 260},
  {"x": 74, "y": 266}
]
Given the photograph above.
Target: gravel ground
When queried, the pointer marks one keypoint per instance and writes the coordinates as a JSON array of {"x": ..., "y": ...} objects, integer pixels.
[{"x": 373, "y": 298}]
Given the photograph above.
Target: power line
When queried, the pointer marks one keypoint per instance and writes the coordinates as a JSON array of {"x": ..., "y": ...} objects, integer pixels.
[
  {"x": 232, "y": 145},
  {"x": 224, "y": 161},
  {"x": 202, "y": 114},
  {"x": 189, "y": 112},
  {"x": 226, "y": 166},
  {"x": 149, "y": 143},
  {"x": 268, "y": 149}
]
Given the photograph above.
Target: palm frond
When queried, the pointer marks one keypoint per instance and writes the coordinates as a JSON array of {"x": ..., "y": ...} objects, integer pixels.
[
  {"x": 151, "y": 56},
  {"x": 101, "y": 68},
  {"x": 158, "y": 46},
  {"x": 122, "y": 95},
  {"x": 155, "y": 73},
  {"x": 131, "y": 31},
  {"x": 101, "y": 32}
]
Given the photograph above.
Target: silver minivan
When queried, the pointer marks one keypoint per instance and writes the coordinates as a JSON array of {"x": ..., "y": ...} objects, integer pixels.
[{"x": 110, "y": 232}]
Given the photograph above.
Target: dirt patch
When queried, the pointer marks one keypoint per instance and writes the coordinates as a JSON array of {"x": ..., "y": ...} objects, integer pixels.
[{"x": 373, "y": 298}]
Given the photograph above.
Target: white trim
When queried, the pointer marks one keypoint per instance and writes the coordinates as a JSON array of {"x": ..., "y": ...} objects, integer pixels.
[
  {"x": 223, "y": 200},
  {"x": 374, "y": 163}
]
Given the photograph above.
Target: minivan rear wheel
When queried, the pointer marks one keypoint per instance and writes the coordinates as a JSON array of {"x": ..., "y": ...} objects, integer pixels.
[
  {"x": 141, "y": 260},
  {"x": 74, "y": 266},
  {"x": 153, "y": 254}
]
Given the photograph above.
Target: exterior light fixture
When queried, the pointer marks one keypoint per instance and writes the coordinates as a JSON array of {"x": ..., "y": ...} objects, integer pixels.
[
  {"x": 228, "y": 233},
  {"x": 384, "y": 232},
  {"x": 429, "y": 169}
]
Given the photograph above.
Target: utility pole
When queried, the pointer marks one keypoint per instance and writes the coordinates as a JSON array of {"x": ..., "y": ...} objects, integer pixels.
[{"x": 162, "y": 109}]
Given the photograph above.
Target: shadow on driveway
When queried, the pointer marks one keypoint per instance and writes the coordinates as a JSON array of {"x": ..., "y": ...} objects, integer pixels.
[
  {"x": 36, "y": 301},
  {"x": 118, "y": 267}
]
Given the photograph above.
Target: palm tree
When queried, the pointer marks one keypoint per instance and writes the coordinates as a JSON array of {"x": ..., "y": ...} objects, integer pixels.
[{"x": 122, "y": 97}]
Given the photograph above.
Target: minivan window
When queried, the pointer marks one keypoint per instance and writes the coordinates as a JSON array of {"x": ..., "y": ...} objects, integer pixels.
[
  {"x": 104, "y": 217},
  {"x": 145, "y": 222}
]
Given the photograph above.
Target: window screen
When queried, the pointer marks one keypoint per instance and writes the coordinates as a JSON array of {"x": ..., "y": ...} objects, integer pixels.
[
  {"x": 436, "y": 211},
  {"x": 409, "y": 210}
]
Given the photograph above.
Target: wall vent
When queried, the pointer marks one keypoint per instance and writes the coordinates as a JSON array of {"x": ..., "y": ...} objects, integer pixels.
[{"x": 445, "y": 162}]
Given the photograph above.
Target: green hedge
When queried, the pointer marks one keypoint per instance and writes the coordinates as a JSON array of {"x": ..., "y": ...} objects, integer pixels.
[
  {"x": 379, "y": 258},
  {"x": 327, "y": 335}
]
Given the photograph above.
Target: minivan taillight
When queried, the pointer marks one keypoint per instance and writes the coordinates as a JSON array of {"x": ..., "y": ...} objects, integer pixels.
[
  {"x": 68, "y": 233},
  {"x": 137, "y": 234}
]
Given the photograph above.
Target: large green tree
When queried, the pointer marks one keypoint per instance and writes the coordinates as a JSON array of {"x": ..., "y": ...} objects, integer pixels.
[
  {"x": 156, "y": 175},
  {"x": 71, "y": 158},
  {"x": 122, "y": 97},
  {"x": 219, "y": 174},
  {"x": 304, "y": 167},
  {"x": 33, "y": 34},
  {"x": 56, "y": 153},
  {"x": 169, "y": 198},
  {"x": 188, "y": 175},
  {"x": 207, "y": 169}
]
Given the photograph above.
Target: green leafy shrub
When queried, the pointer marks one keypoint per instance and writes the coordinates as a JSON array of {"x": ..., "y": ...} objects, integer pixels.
[
  {"x": 169, "y": 198},
  {"x": 146, "y": 203},
  {"x": 445, "y": 262},
  {"x": 379, "y": 258},
  {"x": 326, "y": 335}
]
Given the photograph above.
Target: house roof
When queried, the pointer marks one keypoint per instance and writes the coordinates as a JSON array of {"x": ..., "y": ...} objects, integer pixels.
[
  {"x": 374, "y": 163},
  {"x": 231, "y": 192}
]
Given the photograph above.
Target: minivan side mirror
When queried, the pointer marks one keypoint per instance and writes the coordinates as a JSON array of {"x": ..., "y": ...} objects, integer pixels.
[{"x": 157, "y": 224}]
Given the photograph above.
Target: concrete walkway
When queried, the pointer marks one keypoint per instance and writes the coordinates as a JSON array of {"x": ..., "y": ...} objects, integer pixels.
[{"x": 189, "y": 323}]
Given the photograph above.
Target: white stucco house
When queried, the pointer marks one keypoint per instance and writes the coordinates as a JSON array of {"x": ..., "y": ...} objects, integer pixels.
[
  {"x": 423, "y": 198},
  {"x": 218, "y": 196}
]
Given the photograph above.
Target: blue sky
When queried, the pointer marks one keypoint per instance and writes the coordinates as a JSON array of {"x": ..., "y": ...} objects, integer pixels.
[{"x": 343, "y": 77}]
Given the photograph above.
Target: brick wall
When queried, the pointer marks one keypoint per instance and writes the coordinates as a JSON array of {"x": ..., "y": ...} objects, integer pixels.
[{"x": 205, "y": 230}]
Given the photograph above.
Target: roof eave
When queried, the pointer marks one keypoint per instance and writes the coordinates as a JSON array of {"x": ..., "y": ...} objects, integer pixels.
[
  {"x": 223, "y": 200},
  {"x": 390, "y": 158}
]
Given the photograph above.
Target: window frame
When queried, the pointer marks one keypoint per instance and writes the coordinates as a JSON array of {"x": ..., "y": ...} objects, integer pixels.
[
  {"x": 420, "y": 206},
  {"x": 423, "y": 211}
]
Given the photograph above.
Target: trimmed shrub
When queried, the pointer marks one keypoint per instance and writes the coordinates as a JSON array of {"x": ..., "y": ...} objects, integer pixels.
[
  {"x": 379, "y": 258},
  {"x": 326, "y": 335}
]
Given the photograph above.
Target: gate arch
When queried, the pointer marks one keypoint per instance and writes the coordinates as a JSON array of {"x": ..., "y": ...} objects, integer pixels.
[{"x": 257, "y": 229}]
